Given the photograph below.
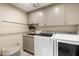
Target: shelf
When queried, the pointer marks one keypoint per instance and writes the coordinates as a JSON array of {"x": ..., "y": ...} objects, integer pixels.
[{"x": 13, "y": 22}]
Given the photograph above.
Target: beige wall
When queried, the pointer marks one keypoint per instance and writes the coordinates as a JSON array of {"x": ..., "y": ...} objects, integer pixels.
[
  {"x": 63, "y": 28},
  {"x": 10, "y": 40},
  {"x": 11, "y": 34}
]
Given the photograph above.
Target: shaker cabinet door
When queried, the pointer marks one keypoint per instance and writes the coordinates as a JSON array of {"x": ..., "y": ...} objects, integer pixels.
[
  {"x": 54, "y": 15},
  {"x": 71, "y": 13},
  {"x": 58, "y": 14},
  {"x": 36, "y": 17}
]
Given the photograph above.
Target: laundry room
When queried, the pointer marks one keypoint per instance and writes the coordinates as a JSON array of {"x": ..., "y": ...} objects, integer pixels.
[{"x": 39, "y": 29}]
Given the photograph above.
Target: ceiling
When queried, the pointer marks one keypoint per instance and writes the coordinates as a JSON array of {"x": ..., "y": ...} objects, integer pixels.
[{"x": 27, "y": 7}]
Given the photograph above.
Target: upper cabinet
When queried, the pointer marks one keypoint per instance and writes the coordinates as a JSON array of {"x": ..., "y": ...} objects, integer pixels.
[
  {"x": 60, "y": 14},
  {"x": 36, "y": 17},
  {"x": 54, "y": 15},
  {"x": 71, "y": 13}
]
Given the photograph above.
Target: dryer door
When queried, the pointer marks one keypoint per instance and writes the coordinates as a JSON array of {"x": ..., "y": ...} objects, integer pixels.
[{"x": 66, "y": 48}]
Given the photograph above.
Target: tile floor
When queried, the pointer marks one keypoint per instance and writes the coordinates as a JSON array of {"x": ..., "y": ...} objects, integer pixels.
[{"x": 23, "y": 53}]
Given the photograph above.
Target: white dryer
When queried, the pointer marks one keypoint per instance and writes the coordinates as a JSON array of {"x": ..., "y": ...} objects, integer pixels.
[{"x": 66, "y": 44}]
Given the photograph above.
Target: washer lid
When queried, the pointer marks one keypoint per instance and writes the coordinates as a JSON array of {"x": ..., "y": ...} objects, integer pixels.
[{"x": 46, "y": 34}]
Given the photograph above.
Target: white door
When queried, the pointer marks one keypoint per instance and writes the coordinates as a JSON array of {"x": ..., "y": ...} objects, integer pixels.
[{"x": 42, "y": 46}]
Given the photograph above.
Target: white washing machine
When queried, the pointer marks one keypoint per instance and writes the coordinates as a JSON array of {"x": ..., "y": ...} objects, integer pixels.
[{"x": 43, "y": 44}]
